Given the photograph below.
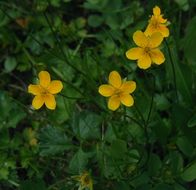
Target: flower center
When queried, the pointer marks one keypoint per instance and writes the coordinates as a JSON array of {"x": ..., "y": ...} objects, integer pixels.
[
  {"x": 86, "y": 180},
  {"x": 44, "y": 91},
  {"x": 118, "y": 92},
  {"x": 147, "y": 50}
]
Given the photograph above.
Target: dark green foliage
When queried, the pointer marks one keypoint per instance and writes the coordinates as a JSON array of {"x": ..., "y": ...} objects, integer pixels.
[{"x": 150, "y": 146}]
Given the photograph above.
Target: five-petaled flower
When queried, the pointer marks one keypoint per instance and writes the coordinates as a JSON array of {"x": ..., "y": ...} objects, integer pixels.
[
  {"x": 44, "y": 91},
  {"x": 118, "y": 91},
  {"x": 85, "y": 181},
  {"x": 157, "y": 23},
  {"x": 148, "y": 51}
]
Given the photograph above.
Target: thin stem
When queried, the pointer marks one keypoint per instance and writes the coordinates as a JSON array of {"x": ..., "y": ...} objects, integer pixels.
[
  {"x": 134, "y": 120},
  {"x": 151, "y": 104},
  {"x": 148, "y": 119},
  {"x": 13, "y": 183},
  {"x": 173, "y": 68},
  {"x": 68, "y": 97},
  {"x": 140, "y": 114},
  {"x": 60, "y": 47}
]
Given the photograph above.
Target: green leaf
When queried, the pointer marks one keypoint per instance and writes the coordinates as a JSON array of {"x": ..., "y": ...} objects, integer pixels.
[
  {"x": 63, "y": 110},
  {"x": 33, "y": 184},
  {"x": 178, "y": 187},
  {"x": 192, "y": 121},
  {"x": 163, "y": 186},
  {"x": 12, "y": 114},
  {"x": 86, "y": 125},
  {"x": 118, "y": 148},
  {"x": 189, "y": 174},
  {"x": 78, "y": 162},
  {"x": 121, "y": 185},
  {"x": 154, "y": 164},
  {"x": 95, "y": 20},
  {"x": 15, "y": 117},
  {"x": 141, "y": 180},
  {"x": 10, "y": 64},
  {"x": 161, "y": 102},
  {"x": 144, "y": 187},
  {"x": 182, "y": 74},
  {"x": 176, "y": 162},
  {"x": 4, "y": 172},
  {"x": 189, "y": 42},
  {"x": 183, "y": 4},
  {"x": 53, "y": 140},
  {"x": 185, "y": 146}
]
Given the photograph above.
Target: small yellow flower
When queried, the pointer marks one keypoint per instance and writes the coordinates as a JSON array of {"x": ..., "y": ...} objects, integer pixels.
[
  {"x": 148, "y": 51},
  {"x": 118, "y": 91},
  {"x": 30, "y": 136},
  {"x": 157, "y": 23},
  {"x": 44, "y": 92},
  {"x": 85, "y": 181},
  {"x": 33, "y": 142}
]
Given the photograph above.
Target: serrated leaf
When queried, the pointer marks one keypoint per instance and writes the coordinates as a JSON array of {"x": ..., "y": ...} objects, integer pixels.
[
  {"x": 86, "y": 125},
  {"x": 78, "y": 162},
  {"x": 53, "y": 140}
]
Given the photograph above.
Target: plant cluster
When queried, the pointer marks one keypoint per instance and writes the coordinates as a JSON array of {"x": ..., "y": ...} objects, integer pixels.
[{"x": 56, "y": 129}]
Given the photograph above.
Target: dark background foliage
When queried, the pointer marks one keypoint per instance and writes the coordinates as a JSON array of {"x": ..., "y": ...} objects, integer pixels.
[{"x": 148, "y": 146}]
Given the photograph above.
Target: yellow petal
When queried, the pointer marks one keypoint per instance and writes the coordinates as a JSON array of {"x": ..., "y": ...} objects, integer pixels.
[
  {"x": 115, "y": 79},
  {"x": 50, "y": 101},
  {"x": 164, "y": 30},
  {"x": 140, "y": 39},
  {"x": 55, "y": 86},
  {"x": 149, "y": 30},
  {"x": 38, "y": 102},
  {"x": 156, "y": 11},
  {"x": 127, "y": 100},
  {"x": 155, "y": 40},
  {"x": 157, "y": 56},
  {"x": 128, "y": 86},
  {"x": 44, "y": 78},
  {"x": 34, "y": 89},
  {"x": 144, "y": 62},
  {"x": 106, "y": 90},
  {"x": 162, "y": 20},
  {"x": 114, "y": 103},
  {"x": 134, "y": 53}
]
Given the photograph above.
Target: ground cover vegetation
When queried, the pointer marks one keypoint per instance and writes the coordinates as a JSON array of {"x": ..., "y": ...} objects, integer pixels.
[{"x": 97, "y": 94}]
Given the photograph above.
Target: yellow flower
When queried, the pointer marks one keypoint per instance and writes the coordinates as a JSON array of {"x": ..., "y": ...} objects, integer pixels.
[
  {"x": 157, "y": 23},
  {"x": 33, "y": 142},
  {"x": 148, "y": 51},
  {"x": 85, "y": 181},
  {"x": 30, "y": 136},
  {"x": 118, "y": 91},
  {"x": 44, "y": 91}
]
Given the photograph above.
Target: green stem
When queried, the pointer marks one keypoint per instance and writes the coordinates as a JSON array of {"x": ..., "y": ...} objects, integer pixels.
[
  {"x": 140, "y": 114},
  {"x": 134, "y": 120},
  {"x": 13, "y": 183},
  {"x": 60, "y": 47},
  {"x": 151, "y": 104},
  {"x": 173, "y": 68}
]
